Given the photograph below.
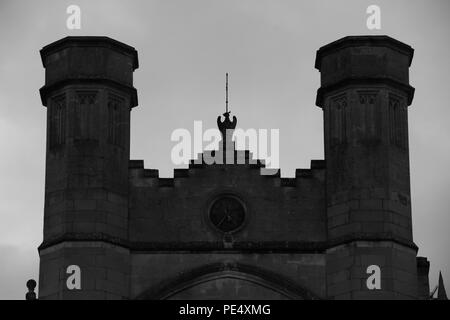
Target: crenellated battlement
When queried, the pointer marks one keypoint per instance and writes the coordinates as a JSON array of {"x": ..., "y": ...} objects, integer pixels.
[{"x": 138, "y": 173}]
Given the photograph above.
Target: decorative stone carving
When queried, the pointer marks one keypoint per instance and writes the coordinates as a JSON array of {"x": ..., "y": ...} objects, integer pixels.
[
  {"x": 116, "y": 120},
  {"x": 338, "y": 123},
  {"x": 86, "y": 117},
  {"x": 397, "y": 122},
  {"x": 371, "y": 117},
  {"x": 57, "y": 121}
]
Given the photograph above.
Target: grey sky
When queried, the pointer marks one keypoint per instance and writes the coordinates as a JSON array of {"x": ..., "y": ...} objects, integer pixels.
[{"x": 185, "y": 48}]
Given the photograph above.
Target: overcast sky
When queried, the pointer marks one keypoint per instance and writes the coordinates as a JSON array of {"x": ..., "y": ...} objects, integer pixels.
[{"x": 185, "y": 48}]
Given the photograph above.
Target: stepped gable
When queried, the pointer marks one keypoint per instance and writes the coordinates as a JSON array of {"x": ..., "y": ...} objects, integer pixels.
[{"x": 151, "y": 176}]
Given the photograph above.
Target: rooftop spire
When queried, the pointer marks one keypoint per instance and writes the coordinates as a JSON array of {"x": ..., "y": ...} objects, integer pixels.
[
  {"x": 226, "y": 126},
  {"x": 227, "y": 123},
  {"x": 442, "y": 295},
  {"x": 226, "y": 93}
]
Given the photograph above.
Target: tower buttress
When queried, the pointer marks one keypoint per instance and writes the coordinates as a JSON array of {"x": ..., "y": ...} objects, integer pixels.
[
  {"x": 89, "y": 94},
  {"x": 364, "y": 95}
]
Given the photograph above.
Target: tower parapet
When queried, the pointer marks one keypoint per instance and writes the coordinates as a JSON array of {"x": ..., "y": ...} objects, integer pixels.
[
  {"x": 364, "y": 95},
  {"x": 89, "y": 94}
]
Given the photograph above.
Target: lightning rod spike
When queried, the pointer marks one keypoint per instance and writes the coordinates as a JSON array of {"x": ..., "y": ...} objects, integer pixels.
[{"x": 226, "y": 93}]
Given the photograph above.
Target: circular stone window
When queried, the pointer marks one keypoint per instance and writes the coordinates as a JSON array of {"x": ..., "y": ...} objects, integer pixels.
[{"x": 227, "y": 213}]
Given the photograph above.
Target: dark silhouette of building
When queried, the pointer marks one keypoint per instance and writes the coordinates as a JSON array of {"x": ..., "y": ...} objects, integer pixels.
[
  {"x": 440, "y": 289},
  {"x": 224, "y": 230}
]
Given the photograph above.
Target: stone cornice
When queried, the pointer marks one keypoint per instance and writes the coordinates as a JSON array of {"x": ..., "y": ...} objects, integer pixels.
[
  {"x": 358, "y": 41},
  {"x": 47, "y": 89},
  {"x": 358, "y": 81},
  {"x": 89, "y": 41},
  {"x": 237, "y": 246}
]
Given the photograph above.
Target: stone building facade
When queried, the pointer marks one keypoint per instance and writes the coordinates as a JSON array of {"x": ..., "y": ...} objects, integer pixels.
[{"x": 225, "y": 231}]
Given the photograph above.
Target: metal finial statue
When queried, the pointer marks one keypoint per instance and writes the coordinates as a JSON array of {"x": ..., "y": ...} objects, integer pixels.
[{"x": 226, "y": 128}]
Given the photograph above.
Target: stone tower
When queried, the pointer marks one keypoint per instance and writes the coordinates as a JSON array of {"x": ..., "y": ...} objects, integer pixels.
[
  {"x": 364, "y": 95},
  {"x": 89, "y": 94}
]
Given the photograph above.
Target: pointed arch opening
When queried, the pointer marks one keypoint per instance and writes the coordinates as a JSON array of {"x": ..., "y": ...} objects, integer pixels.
[{"x": 228, "y": 281}]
